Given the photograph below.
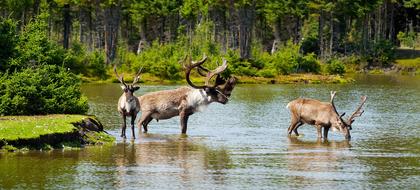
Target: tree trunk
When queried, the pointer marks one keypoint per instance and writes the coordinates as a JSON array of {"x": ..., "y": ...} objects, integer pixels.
[
  {"x": 112, "y": 20},
  {"x": 246, "y": 17},
  {"x": 36, "y": 7},
  {"x": 276, "y": 29},
  {"x": 67, "y": 26},
  {"x": 331, "y": 41},
  {"x": 143, "y": 41},
  {"x": 321, "y": 34},
  {"x": 365, "y": 34},
  {"x": 233, "y": 26}
]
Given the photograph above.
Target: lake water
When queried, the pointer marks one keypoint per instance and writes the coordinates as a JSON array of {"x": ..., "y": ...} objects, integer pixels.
[{"x": 243, "y": 144}]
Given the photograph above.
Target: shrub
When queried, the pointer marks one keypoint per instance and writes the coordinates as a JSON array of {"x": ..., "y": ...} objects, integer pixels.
[
  {"x": 8, "y": 42},
  {"x": 48, "y": 89},
  {"x": 407, "y": 39},
  {"x": 383, "y": 53},
  {"x": 35, "y": 48},
  {"x": 309, "y": 63},
  {"x": 285, "y": 61},
  {"x": 267, "y": 73},
  {"x": 309, "y": 45},
  {"x": 335, "y": 66}
]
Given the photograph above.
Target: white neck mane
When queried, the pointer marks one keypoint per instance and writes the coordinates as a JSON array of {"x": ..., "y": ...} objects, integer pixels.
[{"x": 198, "y": 99}]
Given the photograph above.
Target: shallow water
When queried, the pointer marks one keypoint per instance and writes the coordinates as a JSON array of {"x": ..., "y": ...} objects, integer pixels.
[{"x": 243, "y": 144}]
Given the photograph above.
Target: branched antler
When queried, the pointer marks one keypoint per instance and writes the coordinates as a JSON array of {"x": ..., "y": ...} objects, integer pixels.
[
  {"x": 358, "y": 111},
  {"x": 120, "y": 78},
  {"x": 137, "y": 77}
]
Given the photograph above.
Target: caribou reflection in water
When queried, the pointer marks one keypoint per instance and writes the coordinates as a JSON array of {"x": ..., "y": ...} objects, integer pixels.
[
  {"x": 320, "y": 159},
  {"x": 175, "y": 158}
]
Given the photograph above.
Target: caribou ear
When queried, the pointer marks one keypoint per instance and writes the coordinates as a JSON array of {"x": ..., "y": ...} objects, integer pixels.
[
  {"x": 343, "y": 114},
  {"x": 135, "y": 88}
]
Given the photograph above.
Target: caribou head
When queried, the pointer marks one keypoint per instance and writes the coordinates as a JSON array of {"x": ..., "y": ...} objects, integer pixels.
[
  {"x": 221, "y": 89},
  {"x": 128, "y": 89},
  {"x": 344, "y": 125}
]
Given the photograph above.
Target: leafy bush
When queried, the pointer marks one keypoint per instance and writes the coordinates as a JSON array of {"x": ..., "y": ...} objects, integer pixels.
[
  {"x": 35, "y": 48},
  {"x": 309, "y": 45},
  {"x": 267, "y": 73},
  {"x": 407, "y": 39},
  {"x": 80, "y": 61},
  {"x": 48, "y": 89},
  {"x": 383, "y": 53},
  {"x": 309, "y": 63},
  {"x": 335, "y": 66},
  {"x": 8, "y": 42},
  {"x": 285, "y": 61}
]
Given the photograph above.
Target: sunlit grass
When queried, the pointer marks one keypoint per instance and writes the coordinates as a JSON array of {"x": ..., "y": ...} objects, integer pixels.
[
  {"x": 30, "y": 127},
  {"x": 414, "y": 63}
]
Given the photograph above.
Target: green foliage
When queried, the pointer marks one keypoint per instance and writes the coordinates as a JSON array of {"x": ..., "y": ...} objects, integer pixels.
[
  {"x": 383, "y": 52},
  {"x": 35, "y": 48},
  {"x": 408, "y": 39},
  {"x": 44, "y": 90},
  {"x": 309, "y": 45},
  {"x": 309, "y": 64},
  {"x": 159, "y": 60},
  {"x": 286, "y": 60},
  {"x": 81, "y": 61},
  {"x": 335, "y": 66},
  {"x": 8, "y": 42}
]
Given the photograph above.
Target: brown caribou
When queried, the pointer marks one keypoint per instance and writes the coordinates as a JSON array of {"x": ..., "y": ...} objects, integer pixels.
[
  {"x": 128, "y": 104},
  {"x": 185, "y": 101},
  {"x": 322, "y": 115}
]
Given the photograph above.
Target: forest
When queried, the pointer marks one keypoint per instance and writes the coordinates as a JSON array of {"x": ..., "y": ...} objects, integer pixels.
[{"x": 258, "y": 38}]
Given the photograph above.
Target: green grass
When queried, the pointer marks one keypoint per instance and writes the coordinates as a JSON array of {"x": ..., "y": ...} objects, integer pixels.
[
  {"x": 31, "y": 127},
  {"x": 413, "y": 63}
]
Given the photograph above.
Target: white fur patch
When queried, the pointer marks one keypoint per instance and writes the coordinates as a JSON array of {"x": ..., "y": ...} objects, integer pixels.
[{"x": 198, "y": 99}]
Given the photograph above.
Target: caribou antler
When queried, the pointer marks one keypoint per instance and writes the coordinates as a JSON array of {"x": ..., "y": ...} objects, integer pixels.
[
  {"x": 182, "y": 62},
  {"x": 333, "y": 93},
  {"x": 216, "y": 71},
  {"x": 332, "y": 96},
  {"x": 190, "y": 67},
  {"x": 137, "y": 77},
  {"x": 358, "y": 111},
  {"x": 120, "y": 78}
]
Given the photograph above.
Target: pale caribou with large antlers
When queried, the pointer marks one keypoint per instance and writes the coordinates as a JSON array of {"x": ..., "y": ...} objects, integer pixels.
[
  {"x": 128, "y": 104},
  {"x": 185, "y": 101},
  {"x": 322, "y": 115}
]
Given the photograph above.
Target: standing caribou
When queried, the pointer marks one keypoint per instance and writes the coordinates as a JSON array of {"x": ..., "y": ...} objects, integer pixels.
[
  {"x": 185, "y": 101},
  {"x": 128, "y": 104},
  {"x": 322, "y": 115}
]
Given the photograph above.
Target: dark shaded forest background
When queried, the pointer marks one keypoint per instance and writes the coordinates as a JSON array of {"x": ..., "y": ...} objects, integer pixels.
[{"x": 259, "y": 38}]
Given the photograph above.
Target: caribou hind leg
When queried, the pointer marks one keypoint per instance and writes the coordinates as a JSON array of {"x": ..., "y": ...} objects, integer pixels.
[
  {"x": 144, "y": 120},
  {"x": 293, "y": 125},
  {"x": 296, "y": 127},
  {"x": 326, "y": 129}
]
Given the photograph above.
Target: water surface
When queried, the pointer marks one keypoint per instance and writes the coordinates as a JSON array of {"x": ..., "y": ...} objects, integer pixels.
[{"x": 243, "y": 144}]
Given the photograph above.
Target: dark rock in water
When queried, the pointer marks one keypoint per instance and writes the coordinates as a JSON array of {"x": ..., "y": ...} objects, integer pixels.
[{"x": 90, "y": 124}]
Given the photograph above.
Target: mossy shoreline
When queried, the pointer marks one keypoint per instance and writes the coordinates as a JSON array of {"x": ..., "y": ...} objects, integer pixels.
[
  {"x": 280, "y": 79},
  {"x": 51, "y": 132}
]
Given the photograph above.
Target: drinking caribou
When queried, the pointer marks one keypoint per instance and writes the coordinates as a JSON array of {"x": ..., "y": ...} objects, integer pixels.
[
  {"x": 185, "y": 101},
  {"x": 128, "y": 104},
  {"x": 322, "y": 115}
]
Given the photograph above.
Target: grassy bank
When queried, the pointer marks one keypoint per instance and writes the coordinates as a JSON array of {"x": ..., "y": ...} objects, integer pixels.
[
  {"x": 306, "y": 78},
  {"x": 408, "y": 66},
  {"x": 50, "y": 131}
]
